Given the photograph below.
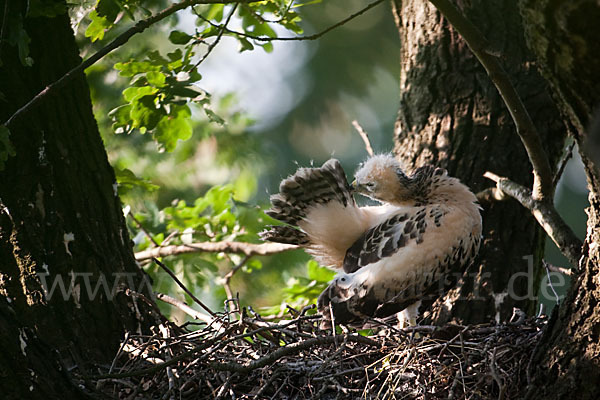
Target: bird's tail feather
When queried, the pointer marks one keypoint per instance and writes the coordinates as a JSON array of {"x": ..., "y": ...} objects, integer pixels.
[
  {"x": 285, "y": 234},
  {"x": 310, "y": 187}
]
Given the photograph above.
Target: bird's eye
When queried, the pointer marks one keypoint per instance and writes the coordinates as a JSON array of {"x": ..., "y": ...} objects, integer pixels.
[{"x": 370, "y": 185}]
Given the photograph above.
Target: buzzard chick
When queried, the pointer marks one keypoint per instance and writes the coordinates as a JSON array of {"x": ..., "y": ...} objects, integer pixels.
[{"x": 426, "y": 231}]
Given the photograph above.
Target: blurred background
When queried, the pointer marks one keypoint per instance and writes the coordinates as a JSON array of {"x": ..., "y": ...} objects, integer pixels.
[{"x": 286, "y": 107}]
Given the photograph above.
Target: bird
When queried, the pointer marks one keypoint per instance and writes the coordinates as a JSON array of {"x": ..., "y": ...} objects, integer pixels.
[{"x": 418, "y": 239}]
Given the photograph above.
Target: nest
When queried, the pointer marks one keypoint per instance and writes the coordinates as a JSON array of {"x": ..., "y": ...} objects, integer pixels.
[{"x": 251, "y": 358}]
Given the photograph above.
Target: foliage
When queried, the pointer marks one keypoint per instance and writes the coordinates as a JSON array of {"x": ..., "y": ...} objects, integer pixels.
[
  {"x": 155, "y": 86},
  {"x": 303, "y": 290}
]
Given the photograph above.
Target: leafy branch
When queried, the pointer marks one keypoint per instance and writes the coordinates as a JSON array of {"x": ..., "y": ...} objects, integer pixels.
[
  {"x": 293, "y": 38},
  {"x": 119, "y": 41}
]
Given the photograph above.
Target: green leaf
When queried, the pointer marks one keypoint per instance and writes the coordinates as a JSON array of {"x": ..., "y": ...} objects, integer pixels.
[
  {"x": 135, "y": 92},
  {"x": 132, "y": 68},
  {"x": 252, "y": 264},
  {"x": 109, "y": 9},
  {"x": 212, "y": 116},
  {"x": 173, "y": 127},
  {"x": 98, "y": 26},
  {"x": 215, "y": 12},
  {"x": 144, "y": 113},
  {"x": 156, "y": 79},
  {"x": 178, "y": 37},
  {"x": 318, "y": 273},
  {"x": 268, "y": 47},
  {"x": 127, "y": 180},
  {"x": 245, "y": 44},
  {"x": 6, "y": 146}
]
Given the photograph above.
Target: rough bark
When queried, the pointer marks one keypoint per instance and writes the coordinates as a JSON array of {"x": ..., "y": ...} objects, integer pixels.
[
  {"x": 564, "y": 38},
  {"x": 451, "y": 115},
  {"x": 60, "y": 215}
]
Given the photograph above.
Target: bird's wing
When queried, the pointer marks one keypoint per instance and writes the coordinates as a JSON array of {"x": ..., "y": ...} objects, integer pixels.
[
  {"x": 321, "y": 214},
  {"x": 309, "y": 188},
  {"x": 404, "y": 259}
]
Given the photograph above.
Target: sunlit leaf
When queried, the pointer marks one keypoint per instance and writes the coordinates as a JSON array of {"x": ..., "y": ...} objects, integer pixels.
[
  {"x": 173, "y": 127},
  {"x": 97, "y": 27}
]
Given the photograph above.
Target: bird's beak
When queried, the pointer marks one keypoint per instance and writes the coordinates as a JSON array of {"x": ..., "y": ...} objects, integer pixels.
[{"x": 354, "y": 184}]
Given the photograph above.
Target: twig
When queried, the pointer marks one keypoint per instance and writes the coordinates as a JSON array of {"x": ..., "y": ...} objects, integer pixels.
[
  {"x": 546, "y": 215},
  {"x": 229, "y": 275},
  {"x": 556, "y": 268},
  {"x": 218, "y": 38},
  {"x": 550, "y": 282},
  {"x": 120, "y": 40},
  {"x": 494, "y": 373},
  {"x": 365, "y": 137},
  {"x": 490, "y": 195},
  {"x": 141, "y": 227},
  {"x": 297, "y": 38},
  {"x": 249, "y": 249},
  {"x": 287, "y": 350},
  {"x": 181, "y": 285},
  {"x": 563, "y": 163},
  {"x": 125, "y": 339},
  {"x": 542, "y": 185},
  {"x": 185, "y": 308}
]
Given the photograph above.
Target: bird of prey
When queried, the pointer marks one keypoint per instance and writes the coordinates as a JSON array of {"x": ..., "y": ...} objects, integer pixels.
[{"x": 424, "y": 233}]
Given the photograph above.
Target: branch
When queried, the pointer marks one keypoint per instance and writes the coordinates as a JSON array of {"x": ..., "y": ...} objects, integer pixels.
[
  {"x": 249, "y": 249},
  {"x": 185, "y": 289},
  {"x": 185, "y": 308},
  {"x": 287, "y": 350},
  {"x": 229, "y": 275},
  {"x": 296, "y": 38},
  {"x": 364, "y": 136},
  {"x": 542, "y": 184},
  {"x": 217, "y": 40},
  {"x": 546, "y": 215},
  {"x": 120, "y": 40}
]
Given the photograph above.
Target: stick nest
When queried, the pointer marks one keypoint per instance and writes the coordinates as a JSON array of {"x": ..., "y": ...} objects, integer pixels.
[{"x": 251, "y": 358}]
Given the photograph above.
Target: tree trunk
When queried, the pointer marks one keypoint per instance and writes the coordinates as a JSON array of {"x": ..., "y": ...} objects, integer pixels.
[
  {"x": 61, "y": 226},
  {"x": 451, "y": 115},
  {"x": 564, "y": 38}
]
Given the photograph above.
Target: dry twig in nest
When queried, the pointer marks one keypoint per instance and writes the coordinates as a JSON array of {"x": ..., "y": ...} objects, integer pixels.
[{"x": 254, "y": 359}]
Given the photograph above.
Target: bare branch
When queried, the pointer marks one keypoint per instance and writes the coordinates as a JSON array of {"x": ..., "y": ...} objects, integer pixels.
[
  {"x": 229, "y": 275},
  {"x": 120, "y": 40},
  {"x": 249, "y": 249},
  {"x": 141, "y": 227},
  {"x": 542, "y": 185},
  {"x": 185, "y": 308},
  {"x": 218, "y": 39},
  {"x": 364, "y": 135},
  {"x": 546, "y": 215},
  {"x": 556, "y": 268},
  {"x": 185, "y": 289},
  {"x": 296, "y": 38},
  {"x": 563, "y": 163}
]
